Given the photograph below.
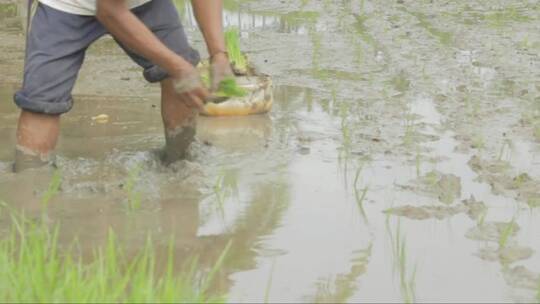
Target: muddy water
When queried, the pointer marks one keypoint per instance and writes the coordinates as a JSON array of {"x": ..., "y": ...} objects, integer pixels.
[{"x": 400, "y": 163}]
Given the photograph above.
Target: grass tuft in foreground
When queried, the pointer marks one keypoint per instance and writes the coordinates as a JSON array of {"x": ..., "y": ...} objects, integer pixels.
[{"x": 33, "y": 268}]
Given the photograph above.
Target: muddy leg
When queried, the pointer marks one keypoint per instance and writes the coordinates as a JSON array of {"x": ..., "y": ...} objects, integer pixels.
[
  {"x": 37, "y": 135},
  {"x": 179, "y": 122}
]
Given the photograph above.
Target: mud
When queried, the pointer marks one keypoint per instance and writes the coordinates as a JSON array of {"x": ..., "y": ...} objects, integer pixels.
[
  {"x": 422, "y": 108},
  {"x": 177, "y": 144},
  {"x": 445, "y": 187},
  {"x": 470, "y": 207},
  {"x": 500, "y": 177},
  {"x": 25, "y": 160}
]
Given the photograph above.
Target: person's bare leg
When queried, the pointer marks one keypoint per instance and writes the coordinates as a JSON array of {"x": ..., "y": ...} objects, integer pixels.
[
  {"x": 179, "y": 122},
  {"x": 37, "y": 135}
]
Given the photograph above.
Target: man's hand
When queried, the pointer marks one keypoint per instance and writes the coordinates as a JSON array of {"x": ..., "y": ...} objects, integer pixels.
[
  {"x": 220, "y": 68},
  {"x": 195, "y": 99},
  {"x": 209, "y": 15},
  {"x": 190, "y": 89},
  {"x": 126, "y": 27}
]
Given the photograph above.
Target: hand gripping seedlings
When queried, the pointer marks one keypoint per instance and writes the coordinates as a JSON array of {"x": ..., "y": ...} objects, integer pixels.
[{"x": 248, "y": 92}]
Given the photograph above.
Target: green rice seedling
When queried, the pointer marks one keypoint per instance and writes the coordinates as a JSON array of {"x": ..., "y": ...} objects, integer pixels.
[
  {"x": 507, "y": 232},
  {"x": 472, "y": 105},
  {"x": 181, "y": 7},
  {"x": 340, "y": 288},
  {"x": 215, "y": 269},
  {"x": 538, "y": 292},
  {"x": 506, "y": 146},
  {"x": 534, "y": 202},
  {"x": 363, "y": 32},
  {"x": 482, "y": 218},
  {"x": 269, "y": 283},
  {"x": 536, "y": 132},
  {"x": 525, "y": 44},
  {"x": 333, "y": 93},
  {"x": 8, "y": 9},
  {"x": 228, "y": 87},
  {"x": 35, "y": 268},
  {"x": 476, "y": 107},
  {"x": 399, "y": 252},
  {"x": 133, "y": 197},
  {"x": 316, "y": 41},
  {"x": 478, "y": 141},
  {"x": 432, "y": 178},
  {"x": 326, "y": 105},
  {"x": 299, "y": 18},
  {"x": 360, "y": 198},
  {"x": 205, "y": 76},
  {"x": 505, "y": 16},
  {"x": 418, "y": 162},
  {"x": 327, "y": 5},
  {"x": 409, "y": 136},
  {"x": 233, "y": 5},
  {"x": 520, "y": 180},
  {"x": 304, "y": 3},
  {"x": 226, "y": 185},
  {"x": 52, "y": 190},
  {"x": 360, "y": 194},
  {"x": 346, "y": 138},
  {"x": 358, "y": 50},
  {"x": 237, "y": 58},
  {"x": 401, "y": 82},
  {"x": 445, "y": 38}
]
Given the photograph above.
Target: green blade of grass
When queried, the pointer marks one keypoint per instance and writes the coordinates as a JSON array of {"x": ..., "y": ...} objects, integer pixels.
[{"x": 34, "y": 269}]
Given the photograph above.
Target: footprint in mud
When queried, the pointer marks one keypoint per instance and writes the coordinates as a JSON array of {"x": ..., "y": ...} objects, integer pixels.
[
  {"x": 499, "y": 176},
  {"x": 470, "y": 207}
]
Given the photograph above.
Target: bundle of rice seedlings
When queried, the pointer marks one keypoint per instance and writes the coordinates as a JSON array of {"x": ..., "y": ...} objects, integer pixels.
[
  {"x": 237, "y": 58},
  {"x": 228, "y": 87}
]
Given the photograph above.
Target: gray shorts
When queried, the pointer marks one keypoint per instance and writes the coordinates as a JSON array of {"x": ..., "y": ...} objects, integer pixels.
[{"x": 57, "y": 45}]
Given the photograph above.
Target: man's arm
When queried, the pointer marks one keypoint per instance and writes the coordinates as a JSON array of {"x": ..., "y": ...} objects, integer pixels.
[
  {"x": 126, "y": 27},
  {"x": 209, "y": 15}
]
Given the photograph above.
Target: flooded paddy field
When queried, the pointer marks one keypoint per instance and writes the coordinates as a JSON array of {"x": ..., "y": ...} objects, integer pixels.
[{"x": 401, "y": 161}]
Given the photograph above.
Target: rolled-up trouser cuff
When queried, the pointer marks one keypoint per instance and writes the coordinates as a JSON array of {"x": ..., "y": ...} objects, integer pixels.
[
  {"x": 156, "y": 73},
  {"x": 52, "y": 107}
]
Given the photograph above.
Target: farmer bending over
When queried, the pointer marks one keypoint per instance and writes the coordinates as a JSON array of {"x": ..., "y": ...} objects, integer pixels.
[{"x": 150, "y": 33}]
